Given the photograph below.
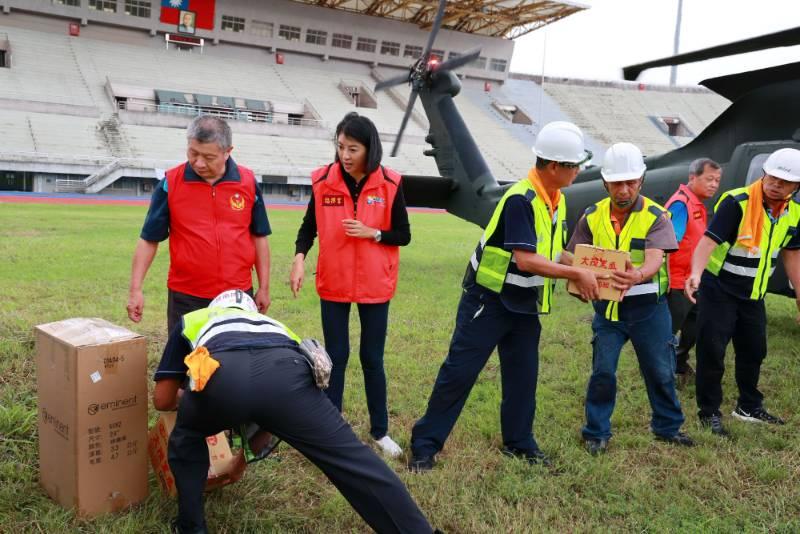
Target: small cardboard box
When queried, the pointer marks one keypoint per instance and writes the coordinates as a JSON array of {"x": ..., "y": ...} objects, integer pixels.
[
  {"x": 92, "y": 384},
  {"x": 600, "y": 260},
  {"x": 222, "y": 460}
]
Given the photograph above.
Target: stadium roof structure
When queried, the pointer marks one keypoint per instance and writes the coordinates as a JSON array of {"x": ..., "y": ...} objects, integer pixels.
[{"x": 496, "y": 18}]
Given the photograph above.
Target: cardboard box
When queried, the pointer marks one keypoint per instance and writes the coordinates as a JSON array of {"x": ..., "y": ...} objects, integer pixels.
[
  {"x": 222, "y": 460},
  {"x": 600, "y": 260},
  {"x": 92, "y": 384}
]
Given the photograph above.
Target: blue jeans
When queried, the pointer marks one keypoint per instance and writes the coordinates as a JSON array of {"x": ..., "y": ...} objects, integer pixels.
[
  {"x": 335, "y": 327},
  {"x": 483, "y": 323},
  {"x": 649, "y": 328}
]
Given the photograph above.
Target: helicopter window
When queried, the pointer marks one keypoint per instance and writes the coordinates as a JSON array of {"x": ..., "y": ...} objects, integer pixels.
[
  {"x": 390, "y": 48},
  {"x": 317, "y": 37},
  {"x": 412, "y": 51},
  {"x": 756, "y": 168},
  {"x": 341, "y": 40},
  {"x": 498, "y": 65},
  {"x": 290, "y": 33},
  {"x": 366, "y": 45}
]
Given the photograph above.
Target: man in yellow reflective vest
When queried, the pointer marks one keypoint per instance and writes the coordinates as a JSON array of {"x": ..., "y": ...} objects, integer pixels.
[
  {"x": 508, "y": 283},
  {"x": 731, "y": 267},
  {"x": 629, "y": 221},
  {"x": 246, "y": 367}
]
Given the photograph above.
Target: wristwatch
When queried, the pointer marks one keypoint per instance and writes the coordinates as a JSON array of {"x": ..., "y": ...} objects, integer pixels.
[{"x": 377, "y": 236}]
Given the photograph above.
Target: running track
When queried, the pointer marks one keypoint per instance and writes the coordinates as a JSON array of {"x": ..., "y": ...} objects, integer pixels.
[{"x": 15, "y": 197}]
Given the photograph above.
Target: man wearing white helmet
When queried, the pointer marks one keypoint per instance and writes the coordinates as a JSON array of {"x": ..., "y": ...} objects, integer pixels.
[
  {"x": 248, "y": 368},
  {"x": 631, "y": 222},
  {"x": 508, "y": 283},
  {"x": 731, "y": 267}
]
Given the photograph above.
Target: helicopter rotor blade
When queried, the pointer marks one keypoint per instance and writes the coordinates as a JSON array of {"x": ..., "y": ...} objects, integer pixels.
[
  {"x": 437, "y": 23},
  {"x": 460, "y": 61},
  {"x": 389, "y": 82},
  {"x": 412, "y": 99}
]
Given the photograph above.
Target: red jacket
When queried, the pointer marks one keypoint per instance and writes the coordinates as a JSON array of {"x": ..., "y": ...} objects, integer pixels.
[
  {"x": 352, "y": 269},
  {"x": 680, "y": 262},
  {"x": 211, "y": 248}
]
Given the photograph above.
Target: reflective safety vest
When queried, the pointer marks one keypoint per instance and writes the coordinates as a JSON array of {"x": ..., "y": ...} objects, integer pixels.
[
  {"x": 230, "y": 328},
  {"x": 680, "y": 262},
  {"x": 494, "y": 267},
  {"x": 756, "y": 266},
  {"x": 632, "y": 239}
]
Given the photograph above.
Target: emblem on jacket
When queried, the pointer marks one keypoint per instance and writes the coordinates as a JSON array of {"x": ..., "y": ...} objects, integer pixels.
[
  {"x": 371, "y": 199},
  {"x": 237, "y": 202}
]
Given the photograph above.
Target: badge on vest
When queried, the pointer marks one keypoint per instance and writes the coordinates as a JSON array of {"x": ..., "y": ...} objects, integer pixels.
[
  {"x": 237, "y": 202},
  {"x": 372, "y": 199},
  {"x": 698, "y": 214},
  {"x": 333, "y": 200}
]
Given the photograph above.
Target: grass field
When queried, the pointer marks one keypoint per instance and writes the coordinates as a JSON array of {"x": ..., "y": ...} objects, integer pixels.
[{"x": 73, "y": 261}]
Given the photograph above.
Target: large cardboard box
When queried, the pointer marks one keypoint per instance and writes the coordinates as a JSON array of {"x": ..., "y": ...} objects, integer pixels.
[
  {"x": 92, "y": 384},
  {"x": 222, "y": 461},
  {"x": 600, "y": 260}
]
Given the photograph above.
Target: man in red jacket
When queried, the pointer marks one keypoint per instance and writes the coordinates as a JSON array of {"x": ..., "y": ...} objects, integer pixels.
[
  {"x": 689, "y": 219},
  {"x": 214, "y": 215}
]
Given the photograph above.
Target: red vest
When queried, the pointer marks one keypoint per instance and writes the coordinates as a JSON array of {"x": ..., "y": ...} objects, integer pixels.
[
  {"x": 680, "y": 262},
  {"x": 210, "y": 246},
  {"x": 353, "y": 269}
]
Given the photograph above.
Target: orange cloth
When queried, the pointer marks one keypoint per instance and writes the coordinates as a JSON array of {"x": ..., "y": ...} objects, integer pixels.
[
  {"x": 753, "y": 218},
  {"x": 541, "y": 192},
  {"x": 201, "y": 366},
  {"x": 617, "y": 224}
]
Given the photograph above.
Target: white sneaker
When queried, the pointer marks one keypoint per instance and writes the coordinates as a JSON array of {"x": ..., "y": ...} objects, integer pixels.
[{"x": 389, "y": 447}]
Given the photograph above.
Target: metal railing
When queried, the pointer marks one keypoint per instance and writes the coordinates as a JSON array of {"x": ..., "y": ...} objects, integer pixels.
[{"x": 244, "y": 115}]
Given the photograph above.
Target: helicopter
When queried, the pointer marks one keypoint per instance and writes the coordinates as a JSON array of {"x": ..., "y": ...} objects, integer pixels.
[{"x": 764, "y": 116}]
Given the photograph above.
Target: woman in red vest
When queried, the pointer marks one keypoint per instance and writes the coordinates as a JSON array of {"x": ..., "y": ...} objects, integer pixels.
[{"x": 358, "y": 210}]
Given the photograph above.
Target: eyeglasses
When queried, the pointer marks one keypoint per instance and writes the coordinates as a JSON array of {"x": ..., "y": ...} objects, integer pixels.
[{"x": 570, "y": 165}]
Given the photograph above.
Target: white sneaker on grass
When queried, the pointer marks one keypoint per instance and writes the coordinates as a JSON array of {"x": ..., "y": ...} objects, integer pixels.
[{"x": 389, "y": 447}]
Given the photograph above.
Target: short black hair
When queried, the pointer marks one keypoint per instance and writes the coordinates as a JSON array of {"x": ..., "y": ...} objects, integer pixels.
[
  {"x": 363, "y": 130},
  {"x": 541, "y": 163}
]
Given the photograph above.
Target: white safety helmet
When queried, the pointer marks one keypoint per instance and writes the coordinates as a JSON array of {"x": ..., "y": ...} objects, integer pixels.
[
  {"x": 622, "y": 162},
  {"x": 561, "y": 141},
  {"x": 784, "y": 164},
  {"x": 234, "y": 298}
]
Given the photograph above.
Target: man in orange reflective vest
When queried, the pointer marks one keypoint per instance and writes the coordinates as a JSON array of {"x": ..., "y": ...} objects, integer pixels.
[{"x": 689, "y": 219}]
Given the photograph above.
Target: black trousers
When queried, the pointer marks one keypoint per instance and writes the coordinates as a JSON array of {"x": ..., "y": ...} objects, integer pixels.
[
  {"x": 720, "y": 319},
  {"x": 684, "y": 320},
  {"x": 274, "y": 388},
  {"x": 179, "y": 304}
]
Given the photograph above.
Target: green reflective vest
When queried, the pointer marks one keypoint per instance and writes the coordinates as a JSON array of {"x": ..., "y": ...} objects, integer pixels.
[
  {"x": 757, "y": 266},
  {"x": 201, "y": 326},
  {"x": 632, "y": 239},
  {"x": 494, "y": 267}
]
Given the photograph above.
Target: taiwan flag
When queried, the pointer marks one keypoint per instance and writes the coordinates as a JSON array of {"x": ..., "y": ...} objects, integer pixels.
[{"x": 203, "y": 9}]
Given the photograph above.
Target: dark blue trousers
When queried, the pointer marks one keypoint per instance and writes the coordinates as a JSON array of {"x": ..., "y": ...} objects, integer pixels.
[
  {"x": 336, "y": 330},
  {"x": 275, "y": 389},
  {"x": 483, "y": 324}
]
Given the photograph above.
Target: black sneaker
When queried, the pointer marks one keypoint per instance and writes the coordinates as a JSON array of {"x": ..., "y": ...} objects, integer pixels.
[
  {"x": 532, "y": 456},
  {"x": 714, "y": 422},
  {"x": 421, "y": 464},
  {"x": 677, "y": 439},
  {"x": 758, "y": 415},
  {"x": 595, "y": 446}
]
